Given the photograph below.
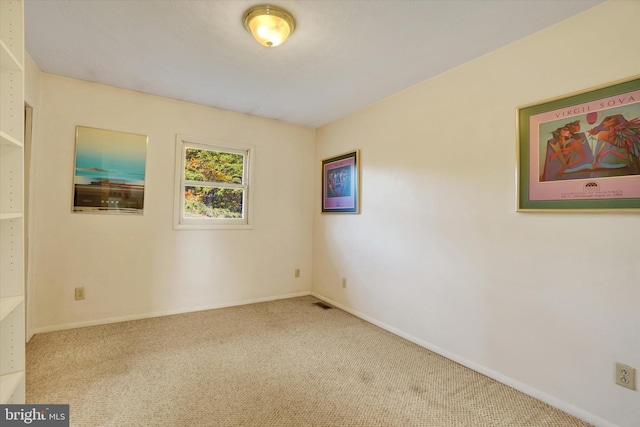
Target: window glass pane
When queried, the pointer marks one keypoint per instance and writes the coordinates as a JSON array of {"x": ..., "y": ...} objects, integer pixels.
[
  {"x": 203, "y": 202},
  {"x": 213, "y": 166}
]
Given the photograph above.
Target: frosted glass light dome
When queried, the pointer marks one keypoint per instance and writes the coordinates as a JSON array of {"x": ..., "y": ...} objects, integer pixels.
[{"x": 269, "y": 25}]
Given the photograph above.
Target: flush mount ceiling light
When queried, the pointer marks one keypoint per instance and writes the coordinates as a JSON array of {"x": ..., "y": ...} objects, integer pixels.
[{"x": 269, "y": 25}]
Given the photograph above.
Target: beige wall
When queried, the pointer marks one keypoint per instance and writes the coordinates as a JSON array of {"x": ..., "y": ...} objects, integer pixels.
[
  {"x": 137, "y": 266},
  {"x": 544, "y": 302}
]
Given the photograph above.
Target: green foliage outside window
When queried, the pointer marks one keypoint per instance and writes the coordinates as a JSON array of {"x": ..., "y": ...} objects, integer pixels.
[{"x": 213, "y": 167}]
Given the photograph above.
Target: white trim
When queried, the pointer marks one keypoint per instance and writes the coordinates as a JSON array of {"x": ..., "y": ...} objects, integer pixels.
[
  {"x": 118, "y": 319},
  {"x": 524, "y": 388}
]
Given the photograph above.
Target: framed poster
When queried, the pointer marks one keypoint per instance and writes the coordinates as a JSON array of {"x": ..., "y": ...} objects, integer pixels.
[
  {"x": 341, "y": 183},
  {"x": 581, "y": 152},
  {"x": 109, "y": 172}
]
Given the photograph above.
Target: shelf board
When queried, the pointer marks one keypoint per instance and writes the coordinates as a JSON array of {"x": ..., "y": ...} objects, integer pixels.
[
  {"x": 7, "y": 305},
  {"x": 8, "y": 385},
  {"x": 10, "y": 215},
  {"x": 9, "y": 141},
  {"x": 8, "y": 59}
]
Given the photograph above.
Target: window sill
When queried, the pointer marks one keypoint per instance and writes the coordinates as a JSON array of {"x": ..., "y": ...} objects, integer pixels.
[{"x": 212, "y": 227}]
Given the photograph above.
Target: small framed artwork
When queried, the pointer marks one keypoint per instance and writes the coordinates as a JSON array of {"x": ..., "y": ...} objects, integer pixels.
[
  {"x": 109, "y": 172},
  {"x": 581, "y": 152},
  {"x": 341, "y": 183}
]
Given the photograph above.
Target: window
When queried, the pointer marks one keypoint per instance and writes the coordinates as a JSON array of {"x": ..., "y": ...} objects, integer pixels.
[{"x": 212, "y": 185}]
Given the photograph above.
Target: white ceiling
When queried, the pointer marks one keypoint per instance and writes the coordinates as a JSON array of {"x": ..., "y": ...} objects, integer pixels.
[{"x": 343, "y": 55}]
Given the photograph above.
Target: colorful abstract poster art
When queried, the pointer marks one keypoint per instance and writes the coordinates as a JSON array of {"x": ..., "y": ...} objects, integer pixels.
[{"x": 585, "y": 155}]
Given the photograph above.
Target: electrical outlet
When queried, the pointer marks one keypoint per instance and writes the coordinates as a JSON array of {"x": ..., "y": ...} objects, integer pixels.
[
  {"x": 344, "y": 282},
  {"x": 296, "y": 273},
  {"x": 626, "y": 376},
  {"x": 79, "y": 293}
]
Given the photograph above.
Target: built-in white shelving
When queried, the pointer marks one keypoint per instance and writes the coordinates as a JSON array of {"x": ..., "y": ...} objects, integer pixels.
[
  {"x": 7, "y": 305},
  {"x": 12, "y": 388},
  {"x": 12, "y": 301},
  {"x": 9, "y": 141},
  {"x": 10, "y": 215},
  {"x": 8, "y": 59}
]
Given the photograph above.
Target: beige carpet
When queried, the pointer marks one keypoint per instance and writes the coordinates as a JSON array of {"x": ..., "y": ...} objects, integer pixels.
[{"x": 281, "y": 363}]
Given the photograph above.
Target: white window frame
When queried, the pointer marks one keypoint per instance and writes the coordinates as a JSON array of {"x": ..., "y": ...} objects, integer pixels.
[{"x": 180, "y": 221}]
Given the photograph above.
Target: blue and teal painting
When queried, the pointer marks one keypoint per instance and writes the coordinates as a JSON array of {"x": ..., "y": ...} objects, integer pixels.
[{"x": 109, "y": 171}]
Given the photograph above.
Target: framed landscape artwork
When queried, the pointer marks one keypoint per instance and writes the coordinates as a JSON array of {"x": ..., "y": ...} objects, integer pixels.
[
  {"x": 109, "y": 171},
  {"x": 581, "y": 152},
  {"x": 341, "y": 183}
]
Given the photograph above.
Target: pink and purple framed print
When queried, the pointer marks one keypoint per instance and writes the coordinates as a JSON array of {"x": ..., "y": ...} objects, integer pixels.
[
  {"x": 341, "y": 183},
  {"x": 581, "y": 152}
]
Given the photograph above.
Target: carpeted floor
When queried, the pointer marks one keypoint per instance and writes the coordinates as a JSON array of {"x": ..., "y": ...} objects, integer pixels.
[{"x": 280, "y": 363}]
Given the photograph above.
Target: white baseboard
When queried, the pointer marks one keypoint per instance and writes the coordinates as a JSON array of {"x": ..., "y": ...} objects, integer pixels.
[
  {"x": 524, "y": 388},
  {"x": 106, "y": 321}
]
